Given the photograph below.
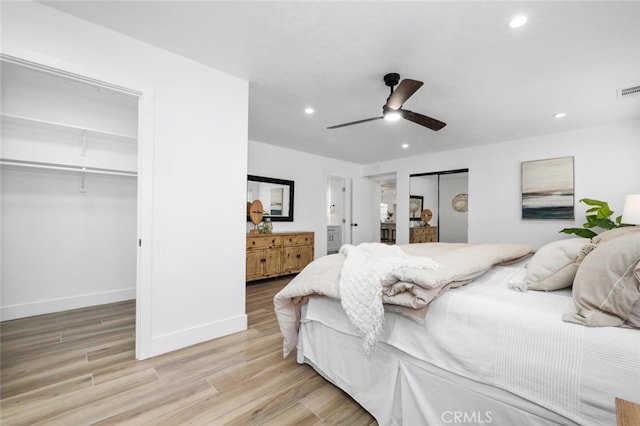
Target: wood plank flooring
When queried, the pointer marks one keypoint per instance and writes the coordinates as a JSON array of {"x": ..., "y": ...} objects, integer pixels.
[{"x": 78, "y": 368}]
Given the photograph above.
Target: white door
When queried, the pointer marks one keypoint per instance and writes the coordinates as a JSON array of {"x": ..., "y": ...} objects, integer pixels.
[{"x": 364, "y": 218}]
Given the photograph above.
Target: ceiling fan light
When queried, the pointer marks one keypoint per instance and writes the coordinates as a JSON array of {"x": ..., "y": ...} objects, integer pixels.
[{"x": 392, "y": 116}]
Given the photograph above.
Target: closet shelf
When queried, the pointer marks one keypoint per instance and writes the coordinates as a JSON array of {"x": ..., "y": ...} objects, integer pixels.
[
  {"x": 67, "y": 126},
  {"x": 66, "y": 167}
]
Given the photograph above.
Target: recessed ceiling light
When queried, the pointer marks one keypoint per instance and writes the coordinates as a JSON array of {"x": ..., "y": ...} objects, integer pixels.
[
  {"x": 518, "y": 21},
  {"x": 405, "y": 145},
  {"x": 559, "y": 115},
  {"x": 309, "y": 110}
]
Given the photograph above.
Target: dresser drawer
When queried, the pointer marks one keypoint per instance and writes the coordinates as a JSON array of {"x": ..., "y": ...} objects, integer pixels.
[
  {"x": 298, "y": 240},
  {"x": 264, "y": 241},
  {"x": 426, "y": 231},
  {"x": 423, "y": 234}
]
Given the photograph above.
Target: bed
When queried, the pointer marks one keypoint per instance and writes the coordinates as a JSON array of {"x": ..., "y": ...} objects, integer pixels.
[{"x": 483, "y": 346}]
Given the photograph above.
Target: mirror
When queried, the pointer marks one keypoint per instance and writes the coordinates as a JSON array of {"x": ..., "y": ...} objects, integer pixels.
[
  {"x": 442, "y": 193},
  {"x": 276, "y": 196}
]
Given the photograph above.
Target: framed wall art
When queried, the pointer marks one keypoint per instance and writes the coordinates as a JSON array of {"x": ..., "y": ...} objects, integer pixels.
[
  {"x": 548, "y": 189},
  {"x": 416, "y": 204}
]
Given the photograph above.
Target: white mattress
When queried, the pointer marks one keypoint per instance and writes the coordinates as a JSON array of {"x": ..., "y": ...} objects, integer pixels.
[{"x": 516, "y": 342}]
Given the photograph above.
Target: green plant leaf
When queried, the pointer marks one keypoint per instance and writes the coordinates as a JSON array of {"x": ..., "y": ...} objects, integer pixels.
[
  {"x": 593, "y": 222},
  {"x": 599, "y": 218},
  {"x": 606, "y": 224},
  {"x": 604, "y": 212},
  {"x": 581, "y": 232},
  {"x": 592, "y": 202}
]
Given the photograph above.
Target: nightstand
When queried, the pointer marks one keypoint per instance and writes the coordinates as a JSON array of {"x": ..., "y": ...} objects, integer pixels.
[{"x": 627, "y": 413}]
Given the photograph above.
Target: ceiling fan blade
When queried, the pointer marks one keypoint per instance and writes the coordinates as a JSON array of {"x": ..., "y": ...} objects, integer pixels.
[
  {"x": 423, "y": 120},
  {"x": 354, "y": 122},
  {"x": 405, "y": 89}
]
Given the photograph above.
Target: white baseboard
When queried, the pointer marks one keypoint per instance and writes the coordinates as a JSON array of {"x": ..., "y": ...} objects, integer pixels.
[
  {"x": 49, "y": 306},
  {"x": 191, "y": 336}
]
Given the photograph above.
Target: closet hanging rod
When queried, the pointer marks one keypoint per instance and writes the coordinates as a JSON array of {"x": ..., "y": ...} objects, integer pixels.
[
  {"x": 63, "y": 167},
  {"x": 68, "y": 126}
]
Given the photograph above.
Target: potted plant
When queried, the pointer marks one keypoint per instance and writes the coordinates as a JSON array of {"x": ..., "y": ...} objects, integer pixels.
[{"x": 600, "y": 217}]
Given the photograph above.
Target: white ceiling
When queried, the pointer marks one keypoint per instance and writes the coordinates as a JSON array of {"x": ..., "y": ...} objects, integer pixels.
[{"x": 489, "y": 83}]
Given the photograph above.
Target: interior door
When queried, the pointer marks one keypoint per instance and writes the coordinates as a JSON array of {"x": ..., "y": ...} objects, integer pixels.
[{"x": 365, "y": 211}]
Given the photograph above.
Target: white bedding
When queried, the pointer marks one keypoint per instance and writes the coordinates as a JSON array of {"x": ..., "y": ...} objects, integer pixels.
[
  {"x": 407, "y": 290},
  {"x": 517, "y": 342}
]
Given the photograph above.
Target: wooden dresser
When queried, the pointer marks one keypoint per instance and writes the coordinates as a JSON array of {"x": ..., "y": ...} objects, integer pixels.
[
  {"x": 423, "y": 234},
  {"x": 282, "y": 253}
]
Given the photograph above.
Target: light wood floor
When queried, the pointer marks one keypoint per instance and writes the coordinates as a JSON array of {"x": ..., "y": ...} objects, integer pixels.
[{"x": 78, "y": 368}]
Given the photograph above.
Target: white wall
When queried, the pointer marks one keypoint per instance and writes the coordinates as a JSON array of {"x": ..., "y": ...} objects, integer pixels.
[
  {"x": 607, "y": 167},
  {"x": 63, "y": 249},
  {"x": 36, "y": 94},
  {"x": 309, "y": 172},
  {"x": 197, "y": 125}
]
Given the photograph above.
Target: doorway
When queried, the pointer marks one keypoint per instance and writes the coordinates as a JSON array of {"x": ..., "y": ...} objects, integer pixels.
[
  {"x": 445, "y": 194},
  {"x": 336, "y": 213},
  {"x": 353, "y": 206},
  {"x": 72, "y": 199},
  {"x": 388, "y": 207}
]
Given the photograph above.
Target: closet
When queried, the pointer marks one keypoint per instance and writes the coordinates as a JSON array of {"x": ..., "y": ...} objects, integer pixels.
[
  {"x": 68, "y": 192},
  {"x": 445, "y": 193}
]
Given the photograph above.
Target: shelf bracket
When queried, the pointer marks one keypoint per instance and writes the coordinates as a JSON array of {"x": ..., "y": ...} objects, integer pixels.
[
  {"x": 83, "y": 181},
  {"x": 83, "y": 143}
]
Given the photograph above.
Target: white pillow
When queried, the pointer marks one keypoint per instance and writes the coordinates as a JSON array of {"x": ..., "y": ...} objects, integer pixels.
[{"x": 554, "y": 266}]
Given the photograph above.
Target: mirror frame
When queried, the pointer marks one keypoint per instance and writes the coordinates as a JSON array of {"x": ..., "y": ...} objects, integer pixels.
[{"x": 283, "y": 182}]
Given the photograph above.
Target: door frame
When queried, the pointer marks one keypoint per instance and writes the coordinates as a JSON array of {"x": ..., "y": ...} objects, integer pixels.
[{"x": 146, "y": 102}]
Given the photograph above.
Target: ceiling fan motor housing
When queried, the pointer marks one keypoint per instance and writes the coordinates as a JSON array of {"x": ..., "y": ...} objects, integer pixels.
[{"x": 392, "y": 79}]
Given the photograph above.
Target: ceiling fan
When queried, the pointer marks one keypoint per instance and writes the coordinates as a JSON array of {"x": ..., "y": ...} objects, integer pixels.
[{"x": 392, "y": 110}]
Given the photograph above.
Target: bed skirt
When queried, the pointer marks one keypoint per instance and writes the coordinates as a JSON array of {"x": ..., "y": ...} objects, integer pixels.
[{"x": 398, "y": 389}]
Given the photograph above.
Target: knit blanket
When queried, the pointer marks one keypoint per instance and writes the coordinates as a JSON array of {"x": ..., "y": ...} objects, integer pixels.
[
  {"x": 407, "y": 287},
  {"x": 366, "y": 269}
]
